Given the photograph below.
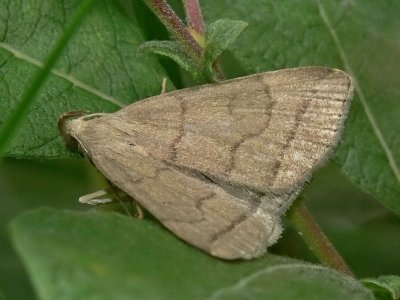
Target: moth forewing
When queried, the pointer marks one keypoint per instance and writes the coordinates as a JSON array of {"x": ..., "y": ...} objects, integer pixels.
[{"x": 219, "y": 164}]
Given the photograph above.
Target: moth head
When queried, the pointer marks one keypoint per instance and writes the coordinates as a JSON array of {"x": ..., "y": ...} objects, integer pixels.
[{"x": 64, "y": 127}]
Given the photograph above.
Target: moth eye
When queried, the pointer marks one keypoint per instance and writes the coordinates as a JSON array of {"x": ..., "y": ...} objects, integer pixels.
[
  {"x": 131, "y": 143},
  {"x": 72, "y": 143}
]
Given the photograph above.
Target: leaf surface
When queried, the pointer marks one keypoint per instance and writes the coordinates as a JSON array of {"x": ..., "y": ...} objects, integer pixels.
[{"x": 64, "y": 249}]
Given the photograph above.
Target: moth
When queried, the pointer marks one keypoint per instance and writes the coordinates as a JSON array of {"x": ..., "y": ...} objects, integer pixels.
[{"x": 219, "y": 164}]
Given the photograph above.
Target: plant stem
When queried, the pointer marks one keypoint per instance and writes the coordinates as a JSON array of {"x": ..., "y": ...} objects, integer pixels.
[
  {"x": 315, "y": 238},
  {"x": 193, "y": 15},
  {"x": 192, "y": 37},
  {"x": 14, "y": 121},
  {"x": 175, "y": 26},
  {"x": 218, "y": 70}
]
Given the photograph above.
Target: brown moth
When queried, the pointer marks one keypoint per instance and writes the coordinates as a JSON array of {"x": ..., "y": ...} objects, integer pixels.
[{"x": 219, "y": 164}]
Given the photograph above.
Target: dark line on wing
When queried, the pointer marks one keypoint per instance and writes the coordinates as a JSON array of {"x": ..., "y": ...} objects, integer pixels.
[
  {"x": 290, "y": 137},
  {"x": 253, "y": 200},
  {"x": 285, "y": 113},
  {"x": 254, "y": 204},
  {"x": 198, "y": 204},
  {"x": 178, "y": 139},
  {"x": 269, "y": 104},
  {"x": 319, "y": 96}
]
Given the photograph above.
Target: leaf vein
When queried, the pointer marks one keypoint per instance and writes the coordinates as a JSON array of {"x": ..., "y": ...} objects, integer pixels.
[{"x": 20, "y": 55}]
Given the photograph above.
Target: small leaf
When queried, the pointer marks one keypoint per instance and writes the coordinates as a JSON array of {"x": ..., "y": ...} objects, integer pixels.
[
  {"x": 220, "y": 35},
  {"x": 174, "y": 51},
  {"x": 110, "y": 256},
  {"x": 389, "y": 284}
]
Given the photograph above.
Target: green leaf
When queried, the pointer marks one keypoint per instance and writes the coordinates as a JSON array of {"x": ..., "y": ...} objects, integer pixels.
[
  {"x": 357, "y": 36},
  {"x": 28, "y": 184},
  {"x": 382, "y": 285},
  {"x": 220, "y": 35},
  {"x": 110, "y": 256},
  {"x": 98, "y": 71},
  {"x": 16, "y": 118},
  {"x": 174, "y": 51},
  {"x": 2, "y": 297}
]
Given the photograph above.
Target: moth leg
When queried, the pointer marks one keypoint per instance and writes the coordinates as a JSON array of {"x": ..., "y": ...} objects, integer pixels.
[
  {"x": 164, "y": 86},
  {"x": 136, "y": 206},
  {"x": 123, "y": 197},
  {"x": 112, "y": 195},
  {"x": 107, "y": 196},
  {"x": 96, "y": 198}
]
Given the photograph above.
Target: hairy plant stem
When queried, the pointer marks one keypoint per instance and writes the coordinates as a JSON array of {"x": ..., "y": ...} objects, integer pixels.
[
  {"x": 176, "y": 27},
  {"x": 191, "y": 37},
  {"x": 193, "y": 16},
  {"x": 218, "y": 70},
  {"x": 315, "y": 238}
]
